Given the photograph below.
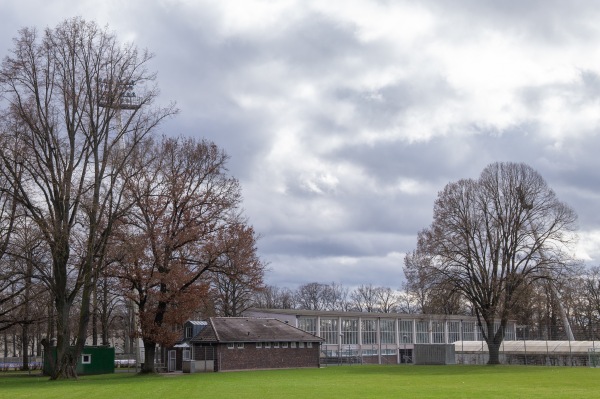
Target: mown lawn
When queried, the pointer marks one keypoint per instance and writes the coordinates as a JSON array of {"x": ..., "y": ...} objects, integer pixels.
[{"x": 331, "y": 382}]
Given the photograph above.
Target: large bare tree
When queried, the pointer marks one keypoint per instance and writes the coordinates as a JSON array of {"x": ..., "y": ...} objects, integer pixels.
[
  {"x": 493, "y": 237},
  {"x": 69, "y": 126}
]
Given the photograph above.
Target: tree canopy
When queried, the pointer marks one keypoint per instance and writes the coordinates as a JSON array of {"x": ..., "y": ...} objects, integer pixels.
[{"x": 493, "y": 237}]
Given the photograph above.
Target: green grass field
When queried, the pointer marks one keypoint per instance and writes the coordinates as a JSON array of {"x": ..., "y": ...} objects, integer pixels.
[{"x": 331, "y": 382}]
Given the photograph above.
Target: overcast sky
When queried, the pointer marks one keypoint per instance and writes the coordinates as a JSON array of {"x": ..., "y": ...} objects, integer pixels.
[{"x": 344, "y": 119}]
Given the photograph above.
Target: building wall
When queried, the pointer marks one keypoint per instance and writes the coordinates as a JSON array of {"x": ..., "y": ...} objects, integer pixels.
[{"x": 250, "y": 357}]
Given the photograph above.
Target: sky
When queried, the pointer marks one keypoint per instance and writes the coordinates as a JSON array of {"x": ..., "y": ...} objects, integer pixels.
[{"x": 344, "y": 119}]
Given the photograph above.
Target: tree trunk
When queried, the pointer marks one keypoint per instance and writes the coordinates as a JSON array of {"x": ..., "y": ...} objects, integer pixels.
[
  {"x": 105, "y": 313},
  {"x": 494, "y": 352},
  {"x": 25, "y": 347},
  {"x": 149, "y": 353},
  {"x": 95, "y": 317},
  {"x": 65, "y": 362},
  {"x": 5, "y": 343}
]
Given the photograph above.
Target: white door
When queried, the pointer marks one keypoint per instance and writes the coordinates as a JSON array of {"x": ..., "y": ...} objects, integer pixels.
[{"x": 172, "y": 361}]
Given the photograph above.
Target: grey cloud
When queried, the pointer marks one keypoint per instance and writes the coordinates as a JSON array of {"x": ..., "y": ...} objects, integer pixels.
[{"x": 206, "y": 70}]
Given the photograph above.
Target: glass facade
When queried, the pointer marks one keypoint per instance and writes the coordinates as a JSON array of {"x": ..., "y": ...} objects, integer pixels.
[
  {"x": 349, "y": 331},
  {"x": 308, "y": 324},
  {"x": 453, "y": 331},
  {"x": 438, "y": 332},
  {"x": 468, "y": 328},
  {"x": 329, "y": 330},
  {"x": 422, "y": 327},
  {"x": 406, "y": 331},
  {"x": 373, "y": 331},
  {"x": 369, "y": 331},
  {"x": 387, "y": 328}
]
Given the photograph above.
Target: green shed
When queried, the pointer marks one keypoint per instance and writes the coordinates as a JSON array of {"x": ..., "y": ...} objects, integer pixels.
[{"x": 93, "y": 360}]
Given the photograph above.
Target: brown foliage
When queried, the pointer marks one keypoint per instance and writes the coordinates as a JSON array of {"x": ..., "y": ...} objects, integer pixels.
[{"x": 183, "y": 227}]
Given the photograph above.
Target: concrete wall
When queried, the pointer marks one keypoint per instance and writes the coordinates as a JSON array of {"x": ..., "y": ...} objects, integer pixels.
[{"x": 434, "y": 354}]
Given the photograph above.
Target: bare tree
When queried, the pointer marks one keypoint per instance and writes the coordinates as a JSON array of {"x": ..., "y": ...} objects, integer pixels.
[
  {"x": 407, "y": 301},
  {"x": 311, "y": 296},
  {"x": 70, "y": 125},
  {"x": 493, "y": 237},
  {"x": 583, "y": 295},
  {"x": 29, "y": 254},
  {"x": 272, "y": 297},
  {"x": 336, "y": 297},
  {"x": 241, "y": 275},
  {"x": 364, "y": 298},
  {"x": 10, "y": 280},
  {"x": 430, "y": 296},
  {"x": 387, "y": 300}
]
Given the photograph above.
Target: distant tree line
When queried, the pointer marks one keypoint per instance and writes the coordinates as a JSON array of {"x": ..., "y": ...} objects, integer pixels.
[{"x": 538, "y": 313}]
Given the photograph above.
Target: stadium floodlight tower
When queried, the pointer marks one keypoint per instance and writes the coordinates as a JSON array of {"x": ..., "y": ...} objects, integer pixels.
[
  {"x": 118, "y": 95},
  {"x": 563, "y": 314}
]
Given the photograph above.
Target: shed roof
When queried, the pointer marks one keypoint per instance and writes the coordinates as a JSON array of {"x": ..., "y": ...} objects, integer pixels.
[{"x": 247, "y": 329}]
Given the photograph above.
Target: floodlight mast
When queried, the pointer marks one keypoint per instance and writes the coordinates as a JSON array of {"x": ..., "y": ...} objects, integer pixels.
[
  {"x": 118, "y": 95},
  {"x": 563, "y": 314}
]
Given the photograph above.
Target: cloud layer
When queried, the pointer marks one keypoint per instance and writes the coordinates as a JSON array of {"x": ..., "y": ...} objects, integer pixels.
[{"x": 344, "y": 119}]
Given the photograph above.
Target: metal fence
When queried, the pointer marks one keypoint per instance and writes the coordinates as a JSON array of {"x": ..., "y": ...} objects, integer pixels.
[{"x": 16, "y": 363}]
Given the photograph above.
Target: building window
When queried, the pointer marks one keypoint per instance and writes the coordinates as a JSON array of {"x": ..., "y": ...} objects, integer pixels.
[
  {"x": 438, "y": 332},
  {"x": 267, "y": 345},
  {"x": 309, "y": 344},
  {"x": 292, "y": 344},
  {"x": 240, "y": 345},
  {"x": 387, "y": 328},
  {"x": 300, "y": 344},
  {"x": 186, "y": 354},
  {"x": 259, "y": 345},
  {"x": 86, "y": 359},
  {"x": 231, "y": 345},
  {"x": 406, "y": 331},
  {"x": 329, "y": 330},
  {"x": 349, "y": 331},
  {"x": 468, "y": 328},
  {"x": 308, "y": 324},
  {"x": 369, "y": 331},
  {"x": 453, "y": 331},
  {"x": 509, "y": 332},
  {"x": 188, "y": 332},
  {"x": 369, "y": 352},
  {"x": 284, "y": 344},
  {"x": 422, "y": 327},
  {"x": 275, "y": 344}
]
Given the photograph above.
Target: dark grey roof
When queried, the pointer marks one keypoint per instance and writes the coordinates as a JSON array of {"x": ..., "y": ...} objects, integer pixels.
[
  {"x": 247, "y": 329},
  {"x": 197, "y": 326}
]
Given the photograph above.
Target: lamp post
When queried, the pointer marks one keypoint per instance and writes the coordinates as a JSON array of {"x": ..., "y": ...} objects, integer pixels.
[{"x": 340, "y": 348}]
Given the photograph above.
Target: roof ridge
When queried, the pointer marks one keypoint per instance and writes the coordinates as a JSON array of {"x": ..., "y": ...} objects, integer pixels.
[{"x": 212, "y": 325}]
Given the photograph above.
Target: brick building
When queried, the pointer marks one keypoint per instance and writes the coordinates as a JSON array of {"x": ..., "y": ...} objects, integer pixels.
[{"x": 243, "y": 343}]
